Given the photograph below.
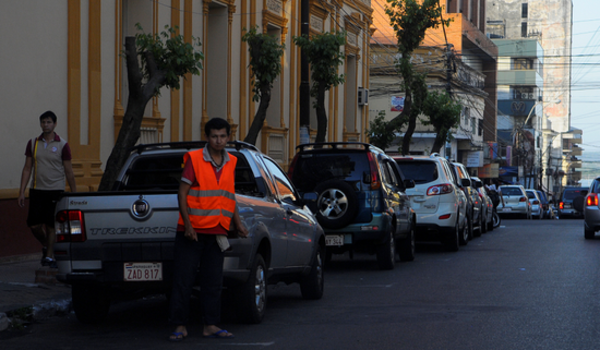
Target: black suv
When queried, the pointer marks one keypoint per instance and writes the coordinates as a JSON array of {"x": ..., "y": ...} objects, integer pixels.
[{"x": 360, "y": 202}]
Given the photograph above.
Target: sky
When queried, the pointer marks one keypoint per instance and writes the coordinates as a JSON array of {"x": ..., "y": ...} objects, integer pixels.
[{"x": 585, "y": 85}]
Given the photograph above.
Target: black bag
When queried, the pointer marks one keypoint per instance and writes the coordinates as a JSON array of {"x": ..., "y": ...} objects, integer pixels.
[{"x": 495, "y": 198}]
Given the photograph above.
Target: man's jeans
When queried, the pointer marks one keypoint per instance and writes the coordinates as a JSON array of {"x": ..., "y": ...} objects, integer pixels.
[{"x": 205, "y": 257}]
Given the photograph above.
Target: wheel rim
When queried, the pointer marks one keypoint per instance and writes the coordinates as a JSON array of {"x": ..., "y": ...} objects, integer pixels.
[
  {"x": 260, "y": 286},
  {"x": 333, "y": 203}
]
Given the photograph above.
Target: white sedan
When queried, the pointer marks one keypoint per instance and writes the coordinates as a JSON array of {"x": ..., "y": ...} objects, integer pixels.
[{"x": 536, "y": 204}]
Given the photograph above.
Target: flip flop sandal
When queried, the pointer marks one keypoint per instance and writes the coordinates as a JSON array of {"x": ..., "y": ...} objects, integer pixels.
[
  {"x": 216, "y": 335},
  {"x": 178, "y": 337}
]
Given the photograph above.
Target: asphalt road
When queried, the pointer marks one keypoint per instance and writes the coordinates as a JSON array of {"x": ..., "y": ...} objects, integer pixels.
[{"x": 526, "y": 285}]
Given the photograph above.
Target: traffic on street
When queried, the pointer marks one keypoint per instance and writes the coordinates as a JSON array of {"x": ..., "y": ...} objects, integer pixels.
[{"x": 528, "y": 284}]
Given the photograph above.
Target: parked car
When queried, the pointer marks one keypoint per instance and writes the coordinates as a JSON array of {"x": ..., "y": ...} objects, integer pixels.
[
  {"x": 119, "y": 244},
  {"x": 361, "y": 200},
  {"x": 590, "y": 208},
  {"x": 565, "y": 206},
  {"x": 536, "y": 204},
  {"x": 438, "y": 200},
  {"x": 547, "y": 207},
  {"x": 515, "y": 201},
  {"x": 474, "y": 205},
  {"x": 487, "y": 206}
]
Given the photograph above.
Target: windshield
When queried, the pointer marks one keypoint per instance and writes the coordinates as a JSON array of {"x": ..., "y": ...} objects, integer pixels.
[
  {"x": 314, "y": 168},
  {"x": 511, "y": 191},
  {"x": 421, "y": 172},
  {"x": 572, "y": 194}
]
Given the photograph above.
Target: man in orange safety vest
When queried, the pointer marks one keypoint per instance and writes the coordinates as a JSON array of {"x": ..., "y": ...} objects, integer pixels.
[{"x": 207, "y": 210}]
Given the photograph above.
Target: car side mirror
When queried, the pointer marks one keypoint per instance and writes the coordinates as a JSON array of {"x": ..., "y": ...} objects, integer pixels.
[
  {"x": 478, "y": 184},
  {"x": 465, "y": 182},
  {"x": 409, "y": 183},
  {"x": 578, "y": 203}
]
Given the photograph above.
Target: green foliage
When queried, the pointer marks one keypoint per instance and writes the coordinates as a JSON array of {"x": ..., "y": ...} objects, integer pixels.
[
  {"x": 265, "y": 60},
  {"x": 381, "y": 133},
  {"x": 324, "y": 56},
  {"x": 170, "y": 52},
  {"x": 443, "y": 113},
  {"x": 411, "y": 18}
]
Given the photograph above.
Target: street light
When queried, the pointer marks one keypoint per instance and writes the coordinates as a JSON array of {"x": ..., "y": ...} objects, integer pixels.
[{"x": 557, "y": 101}]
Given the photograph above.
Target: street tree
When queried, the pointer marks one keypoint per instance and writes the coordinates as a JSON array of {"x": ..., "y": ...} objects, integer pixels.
[
  {"x": 324, "y": 55},
  {"x": 265, "y": 66},
  {"x": 378, "y": 133},
  {"x": 153, "y": 61},
  {"x": 444, "y": 114},
  {"x": 410, "y": 19}
]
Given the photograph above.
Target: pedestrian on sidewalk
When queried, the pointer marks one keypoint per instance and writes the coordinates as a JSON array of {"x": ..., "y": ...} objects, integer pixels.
[
  {"x": 48, "y": 159},
  {"x": 207, "y": 210}
]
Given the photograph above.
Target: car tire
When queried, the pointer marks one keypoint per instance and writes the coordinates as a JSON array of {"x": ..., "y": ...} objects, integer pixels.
[
  {"x": 466, "y": 233},
  {"x": 484, "y": 225},
  {"x": 589, "y": 234},
  {"x": 252, "y": 295},
  {"x": 478, "y": 232},
  {"x": 337, "y": 204},
  {"x": 91, "y": 303},
  {"x": 312, "y": 285},
  {"x": 386, "y": 252},
  {"x": 406, "y": 248},
  {"x": 452, "y": 242}
]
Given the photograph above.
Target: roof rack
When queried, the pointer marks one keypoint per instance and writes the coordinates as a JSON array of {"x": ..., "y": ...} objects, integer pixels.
[
  {"x": 333, "y": 145},
  {"x": 189, "y": 145}
]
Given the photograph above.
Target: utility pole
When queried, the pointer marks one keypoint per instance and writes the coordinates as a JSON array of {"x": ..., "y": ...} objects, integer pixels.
[{"x": 304, "y": 77}]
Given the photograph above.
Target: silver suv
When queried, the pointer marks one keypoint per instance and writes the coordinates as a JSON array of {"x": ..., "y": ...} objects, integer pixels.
[{"x": 437, "y": 198}]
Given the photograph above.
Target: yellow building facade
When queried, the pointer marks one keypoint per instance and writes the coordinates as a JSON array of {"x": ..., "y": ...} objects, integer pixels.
[{"x": 66, "y": 56}]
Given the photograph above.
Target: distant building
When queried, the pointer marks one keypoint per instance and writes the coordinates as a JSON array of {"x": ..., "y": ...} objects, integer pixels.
[
  {"x": 551, "y": 23},
  {"x": 460, "y": 59}
]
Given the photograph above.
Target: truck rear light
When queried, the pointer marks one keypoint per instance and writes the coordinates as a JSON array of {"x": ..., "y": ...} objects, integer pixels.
[
  {"x": 562, "y": 205},
  {"x": 592, "y": 200},
  {"x": 439, "y": 189},
  {"x": 69, "y": 226},
  {"x": 375, "y": 183}
]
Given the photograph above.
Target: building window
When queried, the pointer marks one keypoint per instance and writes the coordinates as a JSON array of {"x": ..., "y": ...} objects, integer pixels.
[
  {"x": 473, "y": 126},
  {"x": 524, "y": 30},
  {"x": 480, "y": 127},
  {"x": 524, "y": 10},
  {"x": 523, "y": 64}
]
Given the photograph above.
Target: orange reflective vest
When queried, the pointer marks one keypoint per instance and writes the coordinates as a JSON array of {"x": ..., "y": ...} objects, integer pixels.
[{"x": 210, "y": 203}]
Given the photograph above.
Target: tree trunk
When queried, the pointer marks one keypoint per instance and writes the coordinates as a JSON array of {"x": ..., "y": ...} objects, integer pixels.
[
  {"x": 128, "y": 136},
  {"x": 412, "y": 124},
  {"x": 321, "y": 115},
  {"x": 139, "y": 95},
  {"x": 259, "y": 117},
  {"x": 440, "y": 140}
]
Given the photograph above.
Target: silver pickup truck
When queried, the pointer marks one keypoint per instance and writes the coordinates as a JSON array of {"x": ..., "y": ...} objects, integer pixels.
[{"x": 118, "y": 244}]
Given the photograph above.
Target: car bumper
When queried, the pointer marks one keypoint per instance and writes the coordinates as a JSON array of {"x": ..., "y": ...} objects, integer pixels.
[
  {"x": 512, "y": 210},
  {"x": 592, "y": 218},
  {"x": 374, "y": 232},
  {"x": 569, "y": 212}
]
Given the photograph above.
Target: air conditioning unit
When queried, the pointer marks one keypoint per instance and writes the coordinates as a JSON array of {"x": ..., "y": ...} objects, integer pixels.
[{"x": 363, "y": 96}]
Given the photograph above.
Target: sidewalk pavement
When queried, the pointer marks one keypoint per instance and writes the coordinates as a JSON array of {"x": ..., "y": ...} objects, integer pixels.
[{"x": 25, "y": 283}]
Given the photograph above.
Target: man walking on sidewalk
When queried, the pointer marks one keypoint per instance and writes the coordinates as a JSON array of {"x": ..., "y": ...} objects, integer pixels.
[{"x": 48, "y": 157}]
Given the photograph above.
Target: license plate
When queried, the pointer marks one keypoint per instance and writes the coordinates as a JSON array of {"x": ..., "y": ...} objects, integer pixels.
[
  {"x": 567, "y": 206},
  {"x": 336, "y": 240},
  {"x": 506, "y": 209},
  {"x": 141, "y": 272}
]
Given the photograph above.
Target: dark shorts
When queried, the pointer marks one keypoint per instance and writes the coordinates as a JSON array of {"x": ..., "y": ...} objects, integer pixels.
[{"x": 41, "y": 207}]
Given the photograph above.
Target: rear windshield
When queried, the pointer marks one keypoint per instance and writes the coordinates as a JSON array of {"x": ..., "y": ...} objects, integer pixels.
[
  {"x": 313, "y": 168},
  {"x": 530, "y": 195},
  {"x": 163, "y": 172},
  {"x": 572, "y": 194},
  {"x": 419, "y": 171},
  {"x": 511, "y": 191}
]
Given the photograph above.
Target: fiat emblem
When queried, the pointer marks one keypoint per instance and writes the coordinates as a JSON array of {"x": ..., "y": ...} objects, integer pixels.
[{"x": 140, "y": 208}]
